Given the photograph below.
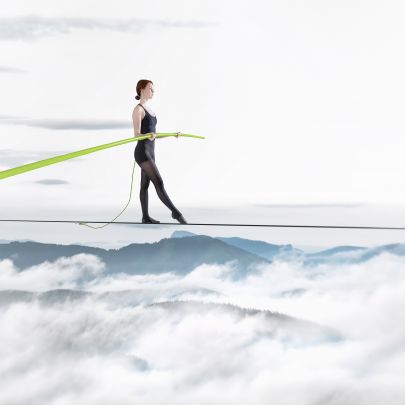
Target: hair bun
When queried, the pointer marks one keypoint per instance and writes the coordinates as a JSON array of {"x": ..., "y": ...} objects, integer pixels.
[{"x": 137, "y": 97}]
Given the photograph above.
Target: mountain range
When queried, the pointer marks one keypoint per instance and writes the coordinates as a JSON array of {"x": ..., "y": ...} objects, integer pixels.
[
  {"x": 184, "y": 251},
  {"x": 273, "y": 324}
]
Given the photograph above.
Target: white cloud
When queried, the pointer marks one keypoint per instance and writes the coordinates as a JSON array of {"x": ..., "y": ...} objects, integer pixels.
[
  {"x": 66, "y": 272},
  {"x": 10, "y": 69},
  {"x": 114, "y": 346},
  {"x": 66, "y": 124},
  {"x": 33, "y": 27}
]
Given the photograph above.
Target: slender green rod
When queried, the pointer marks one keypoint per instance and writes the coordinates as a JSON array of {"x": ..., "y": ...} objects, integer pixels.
[{"x": 56, "y": 159}]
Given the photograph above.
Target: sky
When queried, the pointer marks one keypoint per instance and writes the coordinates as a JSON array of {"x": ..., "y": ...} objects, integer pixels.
[{"x": 300, "y": 102}]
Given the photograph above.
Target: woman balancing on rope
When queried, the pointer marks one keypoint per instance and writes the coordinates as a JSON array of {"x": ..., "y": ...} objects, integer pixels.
[{"x": 145, "y": 123}]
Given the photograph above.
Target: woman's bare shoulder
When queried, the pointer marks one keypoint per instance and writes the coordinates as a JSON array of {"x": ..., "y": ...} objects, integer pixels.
[{"x": 138, "y": 110}]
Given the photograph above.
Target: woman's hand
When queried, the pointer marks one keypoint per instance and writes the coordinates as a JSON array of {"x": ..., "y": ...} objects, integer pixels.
[
  {"x": 178, "y": 133},
  {"x": 152, "y": 136}
]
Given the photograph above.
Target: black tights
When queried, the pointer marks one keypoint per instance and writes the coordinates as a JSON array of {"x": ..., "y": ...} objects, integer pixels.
[{"x": 150, "y": 172}]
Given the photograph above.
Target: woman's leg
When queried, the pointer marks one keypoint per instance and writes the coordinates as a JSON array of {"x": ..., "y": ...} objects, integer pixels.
[
  {"x": 143, "y": 194},
  {"x": 151, "y": 170}
]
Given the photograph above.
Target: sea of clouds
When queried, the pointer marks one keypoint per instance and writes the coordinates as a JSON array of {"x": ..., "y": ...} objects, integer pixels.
[{"x": 71, "y": 333}]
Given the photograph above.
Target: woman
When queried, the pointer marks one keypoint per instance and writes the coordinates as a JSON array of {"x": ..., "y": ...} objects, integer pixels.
[{"x": 144, "y": 123}]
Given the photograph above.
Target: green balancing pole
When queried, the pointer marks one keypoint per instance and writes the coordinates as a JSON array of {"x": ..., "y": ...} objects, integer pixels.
[{"x": 50, "y": 161}]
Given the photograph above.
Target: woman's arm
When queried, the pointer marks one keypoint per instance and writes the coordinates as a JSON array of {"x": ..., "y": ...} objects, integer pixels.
[{"x": 136, "y": 120}]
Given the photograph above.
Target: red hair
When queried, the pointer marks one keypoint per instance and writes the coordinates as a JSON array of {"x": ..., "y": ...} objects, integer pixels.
[{"x": 141, "y": 85}]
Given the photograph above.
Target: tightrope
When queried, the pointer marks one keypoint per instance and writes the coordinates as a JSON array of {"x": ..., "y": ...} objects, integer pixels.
[{"x": 387, "y": 228}]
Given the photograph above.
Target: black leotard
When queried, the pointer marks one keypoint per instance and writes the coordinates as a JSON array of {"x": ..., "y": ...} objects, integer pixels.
[{"x": 145, "y": 149}]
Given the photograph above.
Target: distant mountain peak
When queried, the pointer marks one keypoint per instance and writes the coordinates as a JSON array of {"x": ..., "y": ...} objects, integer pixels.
[{"x": 182, "y": 234}]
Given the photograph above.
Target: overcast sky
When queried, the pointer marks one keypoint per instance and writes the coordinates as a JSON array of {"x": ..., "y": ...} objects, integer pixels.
[{"x": 300, "y": 102}]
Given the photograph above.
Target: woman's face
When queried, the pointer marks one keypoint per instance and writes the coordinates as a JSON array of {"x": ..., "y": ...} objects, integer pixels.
[{"x": 148, "y": 91}]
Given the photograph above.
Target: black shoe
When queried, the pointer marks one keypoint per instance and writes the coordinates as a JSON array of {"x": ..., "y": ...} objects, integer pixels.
[
  {"x": 150, "y": 220},
  {"x": 179, "y": 218}
]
